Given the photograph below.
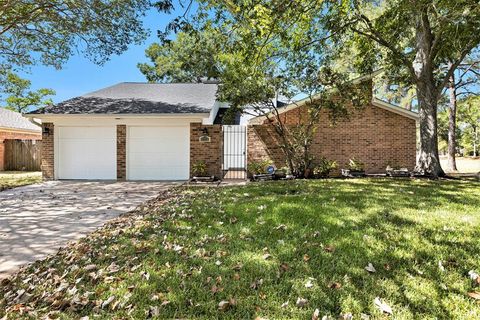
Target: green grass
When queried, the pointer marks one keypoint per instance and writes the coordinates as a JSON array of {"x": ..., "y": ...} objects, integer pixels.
[
  {"x": 12, "y": 179},
  {"x": 421, "y": 236}
]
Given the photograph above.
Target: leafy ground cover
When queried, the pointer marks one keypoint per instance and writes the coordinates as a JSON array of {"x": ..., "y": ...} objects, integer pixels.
[
  {"x": 273, "y": 250},
  {"x": 12, "y": 179}
]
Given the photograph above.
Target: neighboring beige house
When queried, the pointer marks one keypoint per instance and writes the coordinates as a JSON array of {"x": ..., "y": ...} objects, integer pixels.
[{"x": 14, "y": 126}]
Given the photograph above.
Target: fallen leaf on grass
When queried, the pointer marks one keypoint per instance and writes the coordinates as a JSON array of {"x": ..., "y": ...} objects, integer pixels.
[
  {"x": 346, "y": 316},
  {"x": 329, "y": 249},
  {"x": 108, "y": 301},
  {"x": 301, "y": 302},
  {"x": 309, "y": 284},
  {"x": 267, "y": 256},
  {"x": 284, "y": 305},
  {"x": 284, "y": 267},
  {"x": 474, "y": 294},
  {"x": 224, "y": 305},
  {"x": 474, "y": 277},
  {"x": 382, "y": 306},
  {"x": 256, "y": 284},
  {"x": 216, "y": 289},
  {"x": 306, "y": 257},
  {"x": 370, "y": 268},
  {"x": 316, "y": 314},
  {"x": 335, "y": 285},
  {"x": 440, "y": 266}
]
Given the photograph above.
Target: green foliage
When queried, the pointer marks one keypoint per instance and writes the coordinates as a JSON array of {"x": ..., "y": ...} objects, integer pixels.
[
  {"x": 199, "y": 168},
  {"x": 469, "y": 119},
  {"x": 18, "y": 96},
  {"x": 324, "y": 167},
  {"x": 259, "y": 167},
  {"x": 356, "y": 165},
  {"x": 189, "y": 58},
  {"x": 48, "y": 32}
]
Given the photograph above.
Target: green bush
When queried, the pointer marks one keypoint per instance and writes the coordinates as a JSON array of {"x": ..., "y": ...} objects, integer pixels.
[
  {"x": 199, "y": 168},
  {"x": 356, "y": 165},
  {"x": 324, "y": 168},
  {"x": 258, "y": 167}
]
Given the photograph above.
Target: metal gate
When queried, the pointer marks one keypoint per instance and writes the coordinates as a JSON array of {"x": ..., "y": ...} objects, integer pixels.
[{"x": 234, "y": 152}]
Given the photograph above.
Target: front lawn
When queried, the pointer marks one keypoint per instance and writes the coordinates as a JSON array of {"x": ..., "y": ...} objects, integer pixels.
[
  {"x": 272, "y": 250},
  {"x": 12, "y": 179}
]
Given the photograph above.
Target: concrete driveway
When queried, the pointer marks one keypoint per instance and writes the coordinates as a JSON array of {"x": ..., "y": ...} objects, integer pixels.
[{"x": 36, "y": 220}]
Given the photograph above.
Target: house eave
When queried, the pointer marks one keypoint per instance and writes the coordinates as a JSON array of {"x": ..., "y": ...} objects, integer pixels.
[
  {"x": 116, "y": 115},
  {"x": 395, "y": 109},
  {"x": 21, "y": 131}
]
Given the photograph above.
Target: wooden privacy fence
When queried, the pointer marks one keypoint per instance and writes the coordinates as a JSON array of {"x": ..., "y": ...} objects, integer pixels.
[{"x": 23, "y": 155}]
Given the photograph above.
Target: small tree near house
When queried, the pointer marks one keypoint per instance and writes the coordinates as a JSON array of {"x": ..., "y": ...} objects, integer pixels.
[{"x": 296, "y": 136}]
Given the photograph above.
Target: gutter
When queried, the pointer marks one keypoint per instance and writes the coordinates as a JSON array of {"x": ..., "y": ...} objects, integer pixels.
[{"x": 116, "y": 115}]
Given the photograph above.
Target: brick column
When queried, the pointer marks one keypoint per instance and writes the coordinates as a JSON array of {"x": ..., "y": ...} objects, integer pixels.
[
  {"x": 121, "y": 152},
  {"x": 48, "y": 160},
  {"x": 209, "y": 152},
  {"x": 2, "y": 154}
]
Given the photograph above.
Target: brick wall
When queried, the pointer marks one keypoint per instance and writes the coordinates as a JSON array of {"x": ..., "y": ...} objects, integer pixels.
[
  {"x": 121, "y": 152},
  {"x": 4, "y": 135},
  {"x": 209, "y": 152},
  {"x": 48, "y": 162},
  {"x": 372, "y": 135}
]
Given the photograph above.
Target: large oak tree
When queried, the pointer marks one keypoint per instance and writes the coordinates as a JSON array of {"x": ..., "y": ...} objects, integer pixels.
[{"x": 418, "y": 42}]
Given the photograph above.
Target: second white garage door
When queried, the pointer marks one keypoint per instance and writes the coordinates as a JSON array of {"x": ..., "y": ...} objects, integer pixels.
[{"x": 158, "y": 153}]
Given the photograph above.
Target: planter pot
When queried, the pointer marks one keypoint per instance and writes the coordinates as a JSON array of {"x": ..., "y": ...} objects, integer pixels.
[
  {"x": 403, "y": 172},
  {"x": 353, "y": 173},
  {"x": 279, "y": 175},
  {"x": 263, "y": 176}
]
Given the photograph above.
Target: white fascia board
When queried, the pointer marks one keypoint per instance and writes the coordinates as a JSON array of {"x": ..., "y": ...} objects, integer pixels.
[
  {"x": 19, "y": 130},
  {"x": 395, "y": 109},
  {"x": 119, "y": 115}
]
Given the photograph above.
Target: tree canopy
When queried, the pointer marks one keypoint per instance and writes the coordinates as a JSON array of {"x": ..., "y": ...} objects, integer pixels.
[
  {"x": 48, "y": 32},
  {"x": 416, "y": 43},
  {"x": 18, "y": 96}
]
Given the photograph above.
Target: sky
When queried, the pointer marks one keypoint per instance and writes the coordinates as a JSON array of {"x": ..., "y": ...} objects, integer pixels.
[{"x": 79, "y": 75}]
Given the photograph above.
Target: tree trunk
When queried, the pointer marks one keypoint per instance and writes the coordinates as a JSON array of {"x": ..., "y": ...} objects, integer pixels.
[
  {"x": 428, "y": 161},
  {"x": 475, "y": 140},
  {"x": 452, "y": 125}
]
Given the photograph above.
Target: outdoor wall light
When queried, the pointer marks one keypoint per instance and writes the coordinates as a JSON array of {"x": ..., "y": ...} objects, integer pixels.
[
  {"x": 205, "y": 131},
  {"x": 46, "y": 131}
]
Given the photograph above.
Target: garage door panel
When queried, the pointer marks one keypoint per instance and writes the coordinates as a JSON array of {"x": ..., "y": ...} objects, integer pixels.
[
  {"x": 87, "y": 153},
  {"x": 158, "y": 153}
]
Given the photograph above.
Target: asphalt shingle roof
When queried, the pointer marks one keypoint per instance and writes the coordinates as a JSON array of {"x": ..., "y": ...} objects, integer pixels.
[
  {"x": 140, "y": 98},
  {"x": 15, "y": 120}
]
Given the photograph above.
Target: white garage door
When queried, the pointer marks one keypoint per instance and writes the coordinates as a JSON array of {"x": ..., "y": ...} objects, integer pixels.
[
  {"x": 87, "y": 153},
  {"x": 158, "y": 153}
]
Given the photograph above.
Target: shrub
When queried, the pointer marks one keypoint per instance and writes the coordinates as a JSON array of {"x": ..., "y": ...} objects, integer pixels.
[
  {"x": 258, "y": 167},
  {"x": 199, "y": 168},
  {"x": 356, "y": 165},
  {"x": 324, "y": 168}
]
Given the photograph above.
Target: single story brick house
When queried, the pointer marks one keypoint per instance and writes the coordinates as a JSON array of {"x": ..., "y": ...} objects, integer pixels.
[
  {"x": 145, "y": 131},
  {"x": 14, "y": 126}
]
